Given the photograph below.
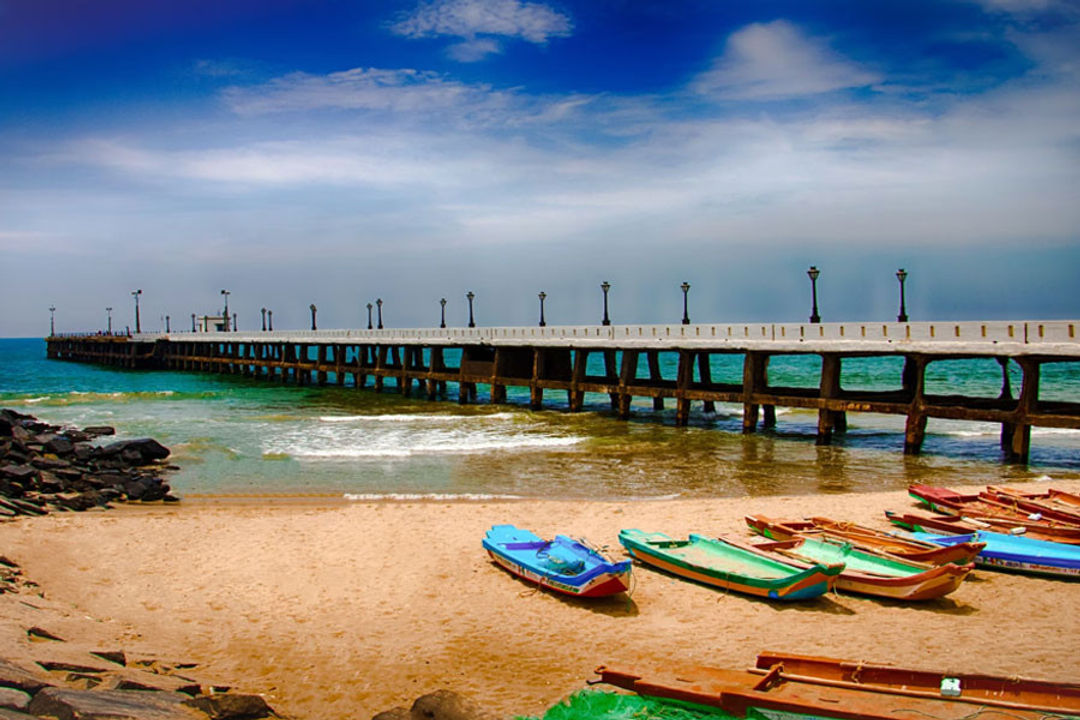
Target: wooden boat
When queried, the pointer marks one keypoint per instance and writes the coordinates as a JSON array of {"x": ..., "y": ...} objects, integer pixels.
[
  {"x": 563, "y": 564},
  {"x": 949, "y": 502},
  {"x": 985, "y": 690},
  {"x": 962, "y": 524},
  {"x": 1055, "y": 499},
  {"x": 865, "y": 537},
  {"x": 738, "y": 691},
  {"x": 721, "y": 564},
  {"x": 869, "y": 573},
  {"x": 1010, "y": 553}
]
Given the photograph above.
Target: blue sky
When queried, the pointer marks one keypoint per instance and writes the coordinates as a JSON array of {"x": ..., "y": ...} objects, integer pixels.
[{"x": 336, "y": 151}]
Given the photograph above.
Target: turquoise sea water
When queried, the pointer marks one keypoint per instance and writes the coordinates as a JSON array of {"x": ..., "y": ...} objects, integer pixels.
[{"x": 237, "y": 435}]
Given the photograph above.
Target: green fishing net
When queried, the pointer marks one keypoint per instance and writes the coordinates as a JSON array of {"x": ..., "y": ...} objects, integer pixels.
[{"x": 597, "y": 705}]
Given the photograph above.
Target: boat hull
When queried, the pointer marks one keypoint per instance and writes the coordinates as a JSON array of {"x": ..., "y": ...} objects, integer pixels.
[
  {"x": 526, "y": 556},
  {"x": 678, "y": 558}
]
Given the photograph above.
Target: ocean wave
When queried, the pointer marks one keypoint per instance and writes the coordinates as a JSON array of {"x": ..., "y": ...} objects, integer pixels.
[
  {"x": 437, "y": 497},
  {"x": 83, "y": 397},
  {"x": 397, "y": 447},
  {"x": 414, "y": 418}
]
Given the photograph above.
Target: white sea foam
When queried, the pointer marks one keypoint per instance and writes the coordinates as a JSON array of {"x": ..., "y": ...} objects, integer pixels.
[
  {"x": 414, "y": 418},
  {"x": 438, "y": 497}
]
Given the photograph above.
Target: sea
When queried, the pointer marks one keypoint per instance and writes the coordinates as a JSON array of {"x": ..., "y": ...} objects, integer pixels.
[{"x": 232, "y": 436}]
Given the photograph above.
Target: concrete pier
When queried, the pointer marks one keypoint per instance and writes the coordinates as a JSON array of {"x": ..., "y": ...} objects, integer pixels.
[{"x": 556, "y": 359}]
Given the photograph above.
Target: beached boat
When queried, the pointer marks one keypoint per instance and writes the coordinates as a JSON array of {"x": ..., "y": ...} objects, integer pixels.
[
  {"x": 739, "y": 691},
  {"x": 721, "y": 564},
  {"x": 869, "y": 573},
  {"x": 962, "y": 525},
  {"x": 563, "y": 564},
  {"x": 1011, "y": 553},
  {"x": 865, "y": 537},
  {"x": 976, "y": 688},
  {"x": 1051, "y": 497},
  {"x": 950, "y": 502}
]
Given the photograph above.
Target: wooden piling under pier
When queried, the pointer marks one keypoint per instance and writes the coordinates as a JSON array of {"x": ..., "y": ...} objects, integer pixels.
[{"x": 556, "y": 359}]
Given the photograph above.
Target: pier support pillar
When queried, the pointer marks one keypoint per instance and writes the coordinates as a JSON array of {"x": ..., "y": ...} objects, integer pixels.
[
  {"x": 611, "y": 373},
  {"x": 705, "y": 376},
  {"x": 575, "y": 397},
  {"x": 829, "y": 389},
  {"x": 769, "y": 419},
  {"x": 655, "y": 376},
  {"x": 1020, "y": 447},
  {"x": 682, "y": 384},
  {"x": 627, "y": 375},
  {"x": 914, "y": 384},
  {"x": 755, "y": 368},
  {"x": 536, "y": 393}
]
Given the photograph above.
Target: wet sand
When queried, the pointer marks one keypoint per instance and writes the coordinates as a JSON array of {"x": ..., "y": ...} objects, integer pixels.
[{"x": 336, "y": 610}]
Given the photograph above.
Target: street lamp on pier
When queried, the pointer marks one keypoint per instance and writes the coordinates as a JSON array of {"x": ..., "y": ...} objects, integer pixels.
[
  {"x": 270, "y": 320},
  {"x": 542, "y": 296},
  {"x": 442, "y": 312},
  {"x": 167, "y": 328},
  {"x": 135, "y": 294},
  {"x": 378, "y": 307},
  {"x": 263, "y": 311},
  {"x": 193, "y": 328},
  {"x": 313, "y": 311},
  {"x": 52, "y": 320},
  {"x": 369, "y": 325},
  {"x": 685, "y": 310},
  {"x": 108, "y": 315},
  {"x": 813, "y": 273},
  {"x": 901, "y": 275},
  {"x": 226, "y": 317},
  {"x": 469, "y": 295},
  {"x": 605, "y": 286}
]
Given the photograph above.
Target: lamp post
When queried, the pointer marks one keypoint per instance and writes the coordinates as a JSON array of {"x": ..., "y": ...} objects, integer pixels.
[
  {"x": 270, "y": 320},
  {"x": 226, "y": 317},
  {"x": 605, "y": 286},
  {"x": 52, "y": 320},
  {"x": 235, "y": 325},
  {"x": 442, "y": 312},
  {"x": 313, "y": 311},
  {"x": 469, "y": 295},
  {"x": 193, "y": 328},
  {"x": 135, "y": 294},
  {"x": 167, "y": 328},
  {"x": 369, "y": 325},
  {"x": 263, "y": 311},
  {"x": 378, "y": 307},
  {"x": 542, "y": 296},
  {"x": 901, "y": 275},
  {"x": 108, "y": 315},
  {"x": 685, "y": 311},
  {"x": 813, "y": 273}
]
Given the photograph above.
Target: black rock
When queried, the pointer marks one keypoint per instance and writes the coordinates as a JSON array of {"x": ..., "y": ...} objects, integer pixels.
[
  {"x": 148, "y": 449},
  {"x": 447, "y": 705},
  {"x": 83, "y": 452},
  {"x": 230, "y": 706},
  {"x": 99, "y": 430},
  {"x": 59, "y": 445},
  {"x": 113, "y": 704},
  {"x": 20, "y": 473}
]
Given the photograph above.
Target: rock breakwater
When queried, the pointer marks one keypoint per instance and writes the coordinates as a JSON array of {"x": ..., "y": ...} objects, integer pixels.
[{"x": 46, "y": 467}]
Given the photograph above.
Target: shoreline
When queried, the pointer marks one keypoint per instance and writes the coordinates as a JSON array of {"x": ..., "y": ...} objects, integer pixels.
[{"x": 349, "y": 608}]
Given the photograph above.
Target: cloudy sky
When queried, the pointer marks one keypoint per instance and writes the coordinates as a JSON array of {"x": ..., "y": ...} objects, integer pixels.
[{"x": 336, "y": 151}]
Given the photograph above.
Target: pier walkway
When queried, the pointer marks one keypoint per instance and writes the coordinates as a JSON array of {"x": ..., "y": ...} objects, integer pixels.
[{"x": 556, "y": 358}]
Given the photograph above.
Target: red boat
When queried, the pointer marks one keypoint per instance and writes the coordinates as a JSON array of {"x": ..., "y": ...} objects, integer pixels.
[
  {"x": 949, "y": 502},
  {"x": 775, "y": 688},
  {"x": 866, "y": 537},
  {"x": 962, "y": 525}
]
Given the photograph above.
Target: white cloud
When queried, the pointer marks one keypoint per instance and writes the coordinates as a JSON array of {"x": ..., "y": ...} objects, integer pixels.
[
  {"x": 474, "y": 50},
  {"x": 397, "y": 90},
  {"x": 530, "y": 21},
  {"x": 777, "y": 61}
]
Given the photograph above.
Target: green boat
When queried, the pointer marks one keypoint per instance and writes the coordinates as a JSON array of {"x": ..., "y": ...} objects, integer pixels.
[
  {"x": 721, "y": 564},
  {"x": 871, "y": 573}
]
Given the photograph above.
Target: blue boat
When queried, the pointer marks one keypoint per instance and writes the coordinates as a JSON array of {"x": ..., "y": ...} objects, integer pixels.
[
  {"x": 565, "y": 565},
  {"x": 1014, "y": 553}
]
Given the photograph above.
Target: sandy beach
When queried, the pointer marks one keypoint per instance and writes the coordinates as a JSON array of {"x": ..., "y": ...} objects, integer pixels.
[{"x": 336, "y": 610}]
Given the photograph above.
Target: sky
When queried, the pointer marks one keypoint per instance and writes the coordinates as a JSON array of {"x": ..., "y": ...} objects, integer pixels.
[{"x": 338, "y": 151}]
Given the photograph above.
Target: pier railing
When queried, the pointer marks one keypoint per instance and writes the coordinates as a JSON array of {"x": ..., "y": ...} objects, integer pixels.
[{"x": 1013, "y": 337}]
